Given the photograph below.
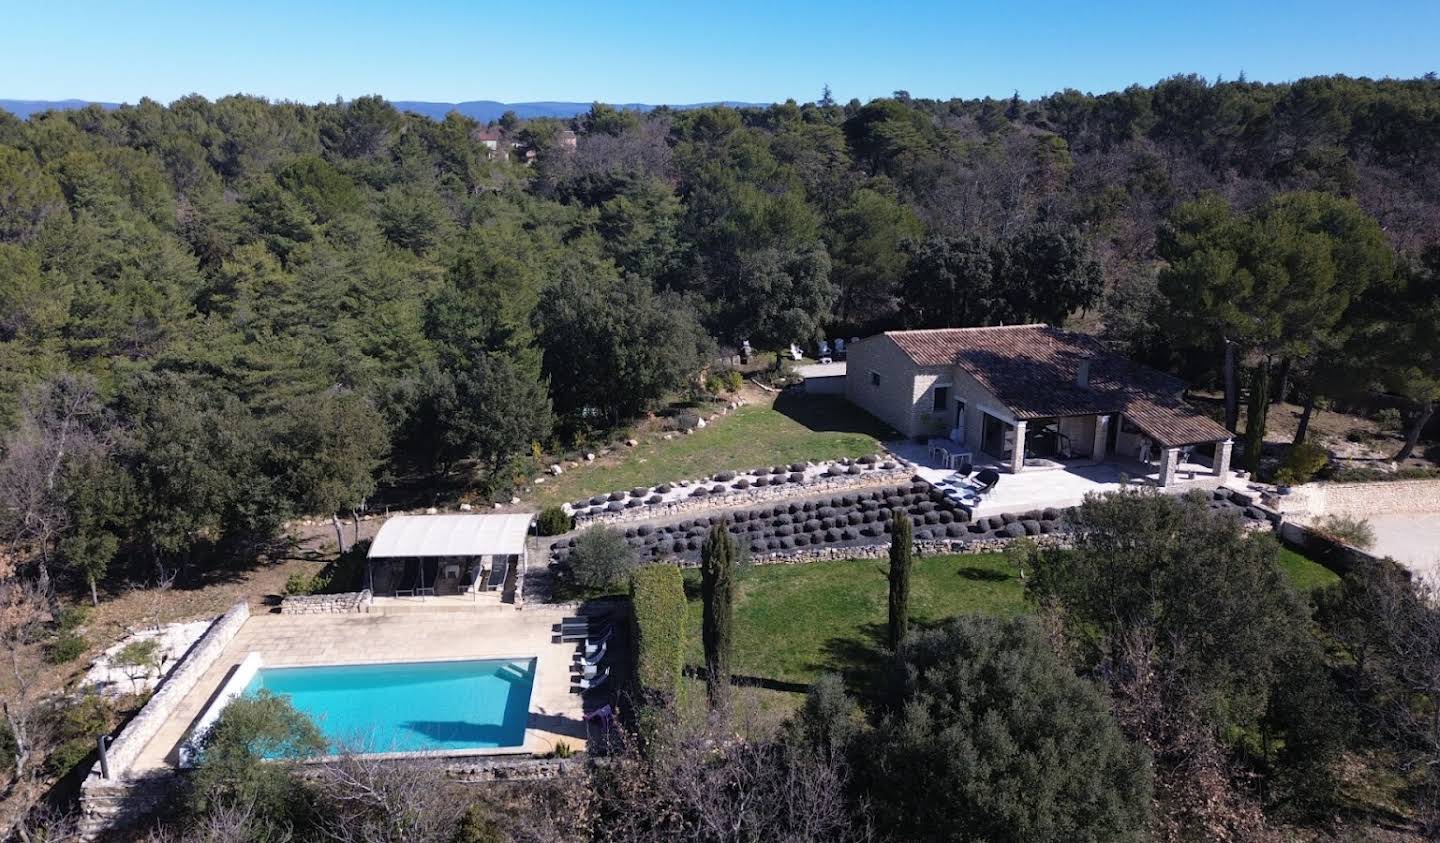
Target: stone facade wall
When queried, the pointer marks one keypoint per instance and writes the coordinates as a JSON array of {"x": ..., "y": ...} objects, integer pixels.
[
  {"x": 346, "y": 603},
  {"x": 1362, "y": 499},
  {"x": 903, "y": 394},
  {"x": 879, "y": 477}
]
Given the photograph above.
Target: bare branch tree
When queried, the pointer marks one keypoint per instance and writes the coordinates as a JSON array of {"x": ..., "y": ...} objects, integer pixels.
[{"x": 23, "y": 615}]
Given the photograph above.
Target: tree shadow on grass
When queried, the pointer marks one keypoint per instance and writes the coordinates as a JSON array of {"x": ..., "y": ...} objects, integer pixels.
[
  {"x": 741, "y": 680},
  {"x": 863, "y": 659},
  {"x": 829, "y": 414},
  {"x": 971, "y": 572}
]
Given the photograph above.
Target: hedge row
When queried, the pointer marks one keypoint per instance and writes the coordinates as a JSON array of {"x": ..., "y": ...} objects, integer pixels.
[{"x": 657, "y": 597}]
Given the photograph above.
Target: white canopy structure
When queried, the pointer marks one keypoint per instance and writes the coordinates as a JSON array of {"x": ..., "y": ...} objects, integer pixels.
[
  {"x": 452, "y": 535},
  {"x": 446, "y": 554}
]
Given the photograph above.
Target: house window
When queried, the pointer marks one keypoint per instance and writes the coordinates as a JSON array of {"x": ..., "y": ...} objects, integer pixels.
[
  {"x": 941, "y": 398},
  {"x": 874, "y": 378}
]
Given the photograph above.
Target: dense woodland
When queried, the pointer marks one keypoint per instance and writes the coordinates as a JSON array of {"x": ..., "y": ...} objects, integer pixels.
[{"x": 215, "y": 316}]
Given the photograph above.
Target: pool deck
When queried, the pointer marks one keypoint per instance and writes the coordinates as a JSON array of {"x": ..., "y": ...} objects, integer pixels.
[{"x": 296, "y": 640}]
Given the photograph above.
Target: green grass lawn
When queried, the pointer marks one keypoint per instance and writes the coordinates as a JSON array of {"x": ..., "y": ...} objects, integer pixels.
[
  {"x": 795, "y": 622},
  {"x": 1305, "y": 573},
  {"x": 795, "y": 430}
]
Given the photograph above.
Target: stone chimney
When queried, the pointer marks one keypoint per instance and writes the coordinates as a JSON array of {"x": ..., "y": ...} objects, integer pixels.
[{"x": 1082, "y": 373}]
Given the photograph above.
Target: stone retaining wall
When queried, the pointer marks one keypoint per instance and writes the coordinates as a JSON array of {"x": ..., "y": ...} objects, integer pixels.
[
  {"x": 1361, "y": 499},
  {"x": 345, "y": 603},
  {"x": 104, "y": 801},
  {"x": 1337, "y": 556},
  {"x": 882, "y": 551},
  {"x": 878, "y": 477}
]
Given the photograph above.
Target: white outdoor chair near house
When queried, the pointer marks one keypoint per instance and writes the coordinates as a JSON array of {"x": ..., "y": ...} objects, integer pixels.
[{"x": 795, "y": 353}]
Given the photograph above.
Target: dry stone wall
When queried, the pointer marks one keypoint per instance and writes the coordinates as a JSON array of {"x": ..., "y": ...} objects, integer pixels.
[
  {"x": 345, "y": 603},
  {"x": 849, "y": 526},
  {"x": 1362, "y": 499},
  {"x": 730, "y": 488}
]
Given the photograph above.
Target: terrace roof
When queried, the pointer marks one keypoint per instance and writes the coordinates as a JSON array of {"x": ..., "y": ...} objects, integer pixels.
[{"x": 452, "y": 535}]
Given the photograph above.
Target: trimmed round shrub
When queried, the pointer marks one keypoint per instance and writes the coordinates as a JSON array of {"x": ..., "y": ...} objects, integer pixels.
[
  {"x": 1047, "y": 527},
  {"x": 761, "y": 482},
  {"x": 931, "y": 517},
  {"x": 1049, "y": 514},
  {"x": 639, "y": 492},
  {"x": 945, "y": 516},
  {"x": 617, "y": 496},
  {"x": 742, "y": 483},
  {"x": 854, "y": 469},
  {"x": 888, "y": 465},
  {"x": 725, "y": 476},
  {"x": 614, "y": 506},
  {"x": 787, "y": 543},
  {"x": 632, "y": 504},
  {"x": 977, "y": 528},
  {"x": 922, "y": 535},
  {"x": 1014, "y": 529},
  {"x": 601, "y": 557},
  {"x": 553, "y": 521},
  {"x": 955, "y": 531},
  {"x": 797, "y": 466},
  {"x": 664, "y": 488},
  {"x": 654, "y": 499},
  {"x": 854, "y": 518},
  {"x": 847, "y": 534},
  {"x": 786, "y": 530},
  {"x": 779, "y": 469},
  {"x": 757, "y": 547},
  {"x": 699, "y": 492},
  {"x": 1032, "y": 527}
]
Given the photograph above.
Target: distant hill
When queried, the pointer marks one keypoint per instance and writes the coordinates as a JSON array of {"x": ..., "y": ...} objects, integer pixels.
[
  {"x": 24, "y": 108},
  {"x": 482, "y": 110}
]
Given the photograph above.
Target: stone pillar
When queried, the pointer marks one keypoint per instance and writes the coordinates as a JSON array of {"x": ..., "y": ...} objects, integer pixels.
[
  {"x": 1222, "y": 459},
  {"x": 1100, "y": 444},
  {"x": 1017, "y": 456},
  {"x": 1169, "y": 459}
]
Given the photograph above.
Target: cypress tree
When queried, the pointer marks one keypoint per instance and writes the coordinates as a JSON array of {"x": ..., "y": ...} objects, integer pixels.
[
  {"x": 717, "y": 590},
  {"x": 1255, "y": 417},
  {"x": 902, "y": 551}
]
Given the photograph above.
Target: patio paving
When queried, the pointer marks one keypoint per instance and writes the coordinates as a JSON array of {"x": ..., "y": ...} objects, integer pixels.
[
  {"x": 1058, "y": 487},
  {"x": 290, "y": 640}
]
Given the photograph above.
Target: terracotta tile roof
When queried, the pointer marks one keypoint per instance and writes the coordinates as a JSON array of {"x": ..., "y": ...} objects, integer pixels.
[{"x": 1031, "y": 369}]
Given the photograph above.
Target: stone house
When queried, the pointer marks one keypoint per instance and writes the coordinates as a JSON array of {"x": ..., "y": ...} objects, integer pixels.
[{"x": 1061, "y": 395}]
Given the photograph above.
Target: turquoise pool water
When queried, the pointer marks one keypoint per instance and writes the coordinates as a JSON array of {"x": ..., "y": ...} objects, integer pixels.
[{"x": 410, "y": 706}]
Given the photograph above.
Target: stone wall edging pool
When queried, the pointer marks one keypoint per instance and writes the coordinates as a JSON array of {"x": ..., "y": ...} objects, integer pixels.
[{"x": 143, "y": 727}]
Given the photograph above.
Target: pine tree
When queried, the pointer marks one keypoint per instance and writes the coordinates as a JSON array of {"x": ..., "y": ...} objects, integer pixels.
[
  {"x": 717, "y": 589},
  {"x": 902, "y": 546}
]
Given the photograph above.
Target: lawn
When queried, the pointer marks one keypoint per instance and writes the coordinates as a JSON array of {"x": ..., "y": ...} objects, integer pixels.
[
  {"x": 795, "y": 622},
  {"x": 1304, "y": 573},
  {"x": 794, "y": 430}
]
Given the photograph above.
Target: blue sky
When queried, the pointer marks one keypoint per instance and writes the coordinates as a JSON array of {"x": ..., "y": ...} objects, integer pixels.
[{"x": 681, "y": 51}]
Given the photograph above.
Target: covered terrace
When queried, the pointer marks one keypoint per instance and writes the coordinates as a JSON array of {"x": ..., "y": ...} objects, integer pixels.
[{"x": 437, "y": 556}]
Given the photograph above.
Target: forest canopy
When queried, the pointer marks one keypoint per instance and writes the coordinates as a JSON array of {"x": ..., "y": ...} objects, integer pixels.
[{"x": 217, "y": 315}]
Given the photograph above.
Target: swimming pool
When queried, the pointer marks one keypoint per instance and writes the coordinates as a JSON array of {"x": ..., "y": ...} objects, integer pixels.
[{"x": 410, "y": 706}]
